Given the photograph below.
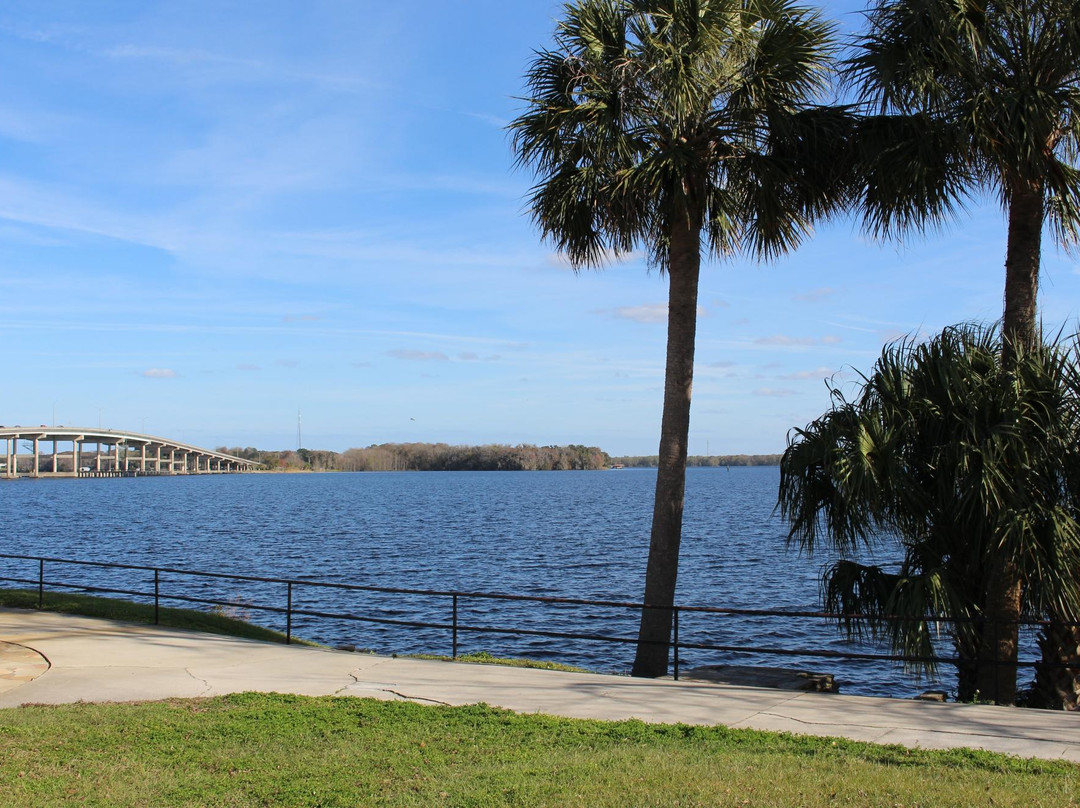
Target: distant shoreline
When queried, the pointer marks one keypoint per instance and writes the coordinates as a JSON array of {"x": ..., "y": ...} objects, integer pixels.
[
  {"x": 697, "y": 461},
  {"x": 488, "y": 457}
]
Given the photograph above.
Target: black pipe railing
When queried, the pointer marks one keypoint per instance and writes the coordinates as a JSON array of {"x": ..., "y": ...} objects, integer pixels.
[{"x": 456, "y": 627}]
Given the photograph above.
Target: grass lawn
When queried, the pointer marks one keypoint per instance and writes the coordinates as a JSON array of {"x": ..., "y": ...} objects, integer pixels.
[{"x": 258, "y": 749}]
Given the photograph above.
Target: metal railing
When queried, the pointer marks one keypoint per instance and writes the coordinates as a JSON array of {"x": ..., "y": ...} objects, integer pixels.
[{"x": 287, "y": 606}]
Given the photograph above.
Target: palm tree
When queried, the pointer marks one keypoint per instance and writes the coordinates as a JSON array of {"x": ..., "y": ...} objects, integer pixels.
[
  {"x": 967, "y": 97},
  {"x": 972, "y": 96},
  {"x": 680, "y": 126},
  {"x": 963, "y": 457}
]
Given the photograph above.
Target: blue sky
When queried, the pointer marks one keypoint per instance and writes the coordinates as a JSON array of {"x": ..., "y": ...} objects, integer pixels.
[{"x": 215, "y": 214}]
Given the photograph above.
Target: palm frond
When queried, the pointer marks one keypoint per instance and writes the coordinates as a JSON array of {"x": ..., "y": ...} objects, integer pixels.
[
  {"x": 971, "y": 462},
  {"x": 645, "y": 108}
]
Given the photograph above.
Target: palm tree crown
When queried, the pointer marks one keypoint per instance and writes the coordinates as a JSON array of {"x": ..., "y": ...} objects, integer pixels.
[
  {"x": 648, "y": 112},
  {"x": 969, "y": 96},
  {"x": 678, "y": 126}
]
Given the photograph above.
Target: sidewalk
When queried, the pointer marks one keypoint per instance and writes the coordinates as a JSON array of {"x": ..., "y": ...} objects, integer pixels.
[{"x": 86, "y": 659}]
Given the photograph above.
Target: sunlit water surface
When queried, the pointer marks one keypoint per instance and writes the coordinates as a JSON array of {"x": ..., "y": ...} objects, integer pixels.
[{"x": 566, "y": 534}]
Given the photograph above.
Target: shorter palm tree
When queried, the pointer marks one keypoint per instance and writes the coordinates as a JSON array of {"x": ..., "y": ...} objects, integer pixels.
[{"x": 974, "y": 466}]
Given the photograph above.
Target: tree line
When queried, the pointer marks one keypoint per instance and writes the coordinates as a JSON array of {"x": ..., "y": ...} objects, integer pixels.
[
  {"x": 709, "y": 461},
  {"x": 431, "y": 457}
]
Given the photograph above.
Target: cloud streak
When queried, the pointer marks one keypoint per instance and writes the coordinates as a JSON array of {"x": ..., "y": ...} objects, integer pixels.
[{"x": 408, "y": 355}]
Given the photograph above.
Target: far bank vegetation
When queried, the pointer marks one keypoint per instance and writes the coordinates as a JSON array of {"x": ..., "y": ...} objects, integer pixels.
[
  {"x": 713, "y": 461},
  {"x": 489, "y": 457},
  {"x": 431, "y": 457}
]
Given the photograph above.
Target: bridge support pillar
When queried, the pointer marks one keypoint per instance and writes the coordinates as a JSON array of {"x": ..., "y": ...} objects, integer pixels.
[{"x": 37, "y": 457}]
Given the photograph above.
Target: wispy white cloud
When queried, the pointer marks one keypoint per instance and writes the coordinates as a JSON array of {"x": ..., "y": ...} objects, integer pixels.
[
  {"x": 301, "y": 318},
  {"x": 496, "y": 121},
  {"x": 417, "y": 356},
  {"x": 228, "y": 68},
  {"x": 816, "y": 373},
  {"x": 783, "y": 340},
  {"x": 33, "y": 126},
  {"x": 64, "y": 209},
  {"x": 174, "y": 56},
  {"x": 815, "y": 295},
  {"x": 773, "y": 392},
  {"x": 647, "y": 313},
  {"x": 786, "y": 341},
  {"x": 849, "y": 327},
  {"x": 159, "y": 373}
]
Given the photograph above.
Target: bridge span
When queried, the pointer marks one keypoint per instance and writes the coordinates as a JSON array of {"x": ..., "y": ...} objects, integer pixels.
[{"x": 105, "y": 453}]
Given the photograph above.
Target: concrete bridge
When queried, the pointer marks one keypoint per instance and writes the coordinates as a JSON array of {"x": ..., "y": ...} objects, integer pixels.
[{"x": 105, "y": 453}]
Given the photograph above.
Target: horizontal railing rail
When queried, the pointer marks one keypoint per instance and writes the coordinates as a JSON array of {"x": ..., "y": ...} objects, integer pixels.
[{"x": 453, "y": 622}]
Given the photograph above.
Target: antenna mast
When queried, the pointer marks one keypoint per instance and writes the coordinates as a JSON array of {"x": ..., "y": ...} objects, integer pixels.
[{"x": 299, "y": 440}]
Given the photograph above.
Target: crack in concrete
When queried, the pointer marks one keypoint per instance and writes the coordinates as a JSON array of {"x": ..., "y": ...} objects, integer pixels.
[
  {"x": 344, "y": 688},
  {"x": 207, "y": 687},
  {"x": 774, "y": 706}
]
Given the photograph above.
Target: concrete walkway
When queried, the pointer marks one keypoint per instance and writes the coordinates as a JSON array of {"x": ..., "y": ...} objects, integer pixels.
[{"x": 47, "y": 658}]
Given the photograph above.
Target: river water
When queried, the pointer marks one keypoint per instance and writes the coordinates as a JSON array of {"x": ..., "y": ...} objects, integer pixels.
[{"x": 564, "y": 534}]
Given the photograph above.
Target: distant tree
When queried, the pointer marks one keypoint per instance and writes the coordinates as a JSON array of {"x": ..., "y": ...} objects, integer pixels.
[{"x": 679, "y": 126}]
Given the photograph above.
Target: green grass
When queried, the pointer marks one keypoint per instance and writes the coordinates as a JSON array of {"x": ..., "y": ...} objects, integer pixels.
[
  {"x": 213, "y": 622},
  {"x": 259, "y": 749},
  {"x": 484, "y": 658}
]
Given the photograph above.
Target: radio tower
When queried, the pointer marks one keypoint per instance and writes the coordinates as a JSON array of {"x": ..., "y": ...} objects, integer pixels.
[{"x": 299, "y": 441}]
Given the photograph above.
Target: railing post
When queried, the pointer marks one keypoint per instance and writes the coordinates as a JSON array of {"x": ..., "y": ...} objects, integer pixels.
[
  {"x": 157, "y": 597},
  {"x": 675, "y": 619},
  {"x": 41, "y": 584},
  {"x": 453, "y": 640},
  {"x": 288, "y": 616}
]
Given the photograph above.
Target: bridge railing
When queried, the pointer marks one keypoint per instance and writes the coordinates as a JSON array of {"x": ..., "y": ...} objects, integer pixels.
[{"x": 437, "y": 612}]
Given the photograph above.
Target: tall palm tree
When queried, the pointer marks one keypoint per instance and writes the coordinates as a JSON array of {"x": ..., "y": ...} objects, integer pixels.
[
  {"x": 680, "y": 126},
  {"x": 962, "y": 457},
  {"x": 967, "y": 97}
]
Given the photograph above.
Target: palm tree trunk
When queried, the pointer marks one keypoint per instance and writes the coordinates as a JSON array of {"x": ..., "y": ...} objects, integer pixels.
[
  {"x": 654, "y": 636},
  {"x": 996, "y": 678},
  {"x": 1057, "y": 680},
  {"x": 1019, "y": 324}
]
